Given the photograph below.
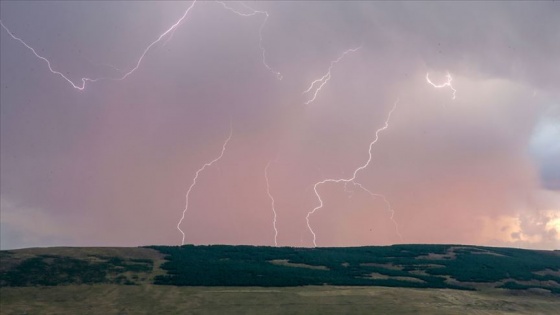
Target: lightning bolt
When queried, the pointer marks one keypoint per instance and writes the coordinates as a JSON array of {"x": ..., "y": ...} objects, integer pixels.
[
  {"x": 348, "y": 191},
  {"x": 271, "y": 202},
  {"x": 263, "y": 24},
  {"x": 104, "y": 65},
  {"x": 374, "y": 196},
  {"x": 208, "y": 164},
  {"x": 85, "y": 79},
  {"x": 351, "y": 179},
  {"x": 168, "y": 33},
  {"x": 446, "y": 84},
  {"x": 387, "y": 204},
  {"x": 325, "y": 78}
]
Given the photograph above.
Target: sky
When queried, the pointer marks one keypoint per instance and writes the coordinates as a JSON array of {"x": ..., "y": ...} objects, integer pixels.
[{"x": 476, "y": 162}]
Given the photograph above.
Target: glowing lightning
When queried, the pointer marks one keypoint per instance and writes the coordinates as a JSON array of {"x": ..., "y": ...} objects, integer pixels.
[
  {"x": 389, "y": 208},
  {"x": 104, "y": 65},
  {"x": 85, "y": 79},
  {"x": 271, "y": 202},
  {"x": 374, "y": 195},
  {"x": 324, "y": 79},
  {"x": 263, "y": 50},
  {"x": 354, "y": 175},
  {"x": 439, "y": 86},
  {"x": 208, "y": 164}
]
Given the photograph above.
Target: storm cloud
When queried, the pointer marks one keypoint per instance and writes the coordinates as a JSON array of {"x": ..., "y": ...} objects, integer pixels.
[{"x": 110, "y": 165}]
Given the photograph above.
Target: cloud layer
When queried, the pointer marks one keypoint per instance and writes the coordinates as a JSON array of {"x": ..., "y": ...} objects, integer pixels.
[{"x": 110, "y": 165}]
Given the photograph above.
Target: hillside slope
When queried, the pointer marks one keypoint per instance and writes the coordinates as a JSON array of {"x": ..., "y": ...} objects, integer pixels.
[
  {"x": 400, "y": 279},
  {"x": 418, "y": 266}
]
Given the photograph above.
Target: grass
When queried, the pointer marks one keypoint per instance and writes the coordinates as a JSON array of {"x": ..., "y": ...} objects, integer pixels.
[{"x": 151, "y": 299}]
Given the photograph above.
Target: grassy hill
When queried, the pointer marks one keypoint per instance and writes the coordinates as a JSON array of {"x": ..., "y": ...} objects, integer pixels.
[
  {"x": 205, "y": 278},
  {"x": 419, "y": 266}
]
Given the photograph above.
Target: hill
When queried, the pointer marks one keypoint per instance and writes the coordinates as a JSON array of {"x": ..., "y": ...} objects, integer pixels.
[
  {"x": 419, "y": 266},
  {"x": 499, "y": 277}
]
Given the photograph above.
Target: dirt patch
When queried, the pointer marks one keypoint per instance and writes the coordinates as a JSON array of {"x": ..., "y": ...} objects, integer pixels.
[
  {"x": 433, "y": 256},
  {"x": 389, "y": 266},
  {"x": 378, "y": 276},
  {"x": 451, "y": 254},
  {"x": 478, "y": 251},
  {"x": 285, "y": 262},
  {"x": 430, "y": 266},
  {"x": 548, "y": 272},
  {"x": 547, "y": 283}
]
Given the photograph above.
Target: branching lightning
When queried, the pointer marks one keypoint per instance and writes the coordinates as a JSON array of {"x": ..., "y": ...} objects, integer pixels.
[
  {"x": 446, "y": 84},
  {"x": 168, "y": 33},
  {"x": 85, "y": 79},
  {"x": 105, "y": 65},
  {"x": 325, "y": 78},
  {"x": 348, "y": 191},
  {"x": 374, "y": 196},
  {"x": 271, "y": 202},
  {"x": 387, "y": 203},
  {"x": 351, "y": 179},
  {"x": 208, "y": 164},
  {"x": 263, "y": 24},
  {"x": 310, "y": 93}
]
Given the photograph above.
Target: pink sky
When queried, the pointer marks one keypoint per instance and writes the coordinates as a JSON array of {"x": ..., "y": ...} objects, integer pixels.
[{"x": 110, "y": 165}]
